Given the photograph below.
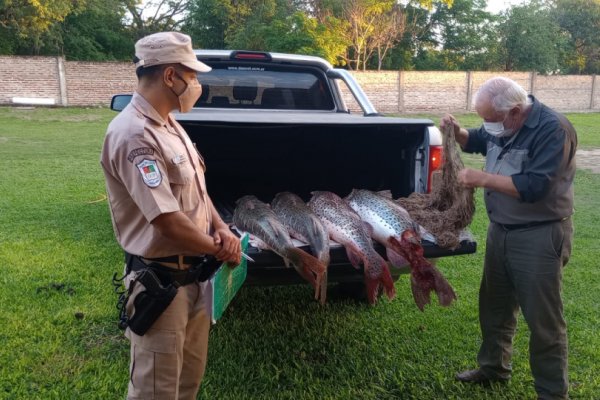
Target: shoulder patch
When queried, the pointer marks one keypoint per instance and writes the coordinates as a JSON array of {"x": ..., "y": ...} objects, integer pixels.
[
  {"x": 150, "y": 172},
  {"x": 140, "y": 151}
]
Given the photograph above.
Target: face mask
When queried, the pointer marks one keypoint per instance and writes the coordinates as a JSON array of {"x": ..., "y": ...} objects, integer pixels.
[
  {"x": 497, "y": 129},
  {"x": 189, "y": 96}
]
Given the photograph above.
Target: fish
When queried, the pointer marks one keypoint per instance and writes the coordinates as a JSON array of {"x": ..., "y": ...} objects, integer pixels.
[
  {"x": 345, "y": 227},
  {"x": 257, "y": 218},
  {"x": 304, "y": 225},
  {"x": 399, "y": 233}
]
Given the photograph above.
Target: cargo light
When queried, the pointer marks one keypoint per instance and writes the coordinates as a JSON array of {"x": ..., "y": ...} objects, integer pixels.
[
  {"x": 250, "y": 55},
  {"x": 435, "y": 162}
]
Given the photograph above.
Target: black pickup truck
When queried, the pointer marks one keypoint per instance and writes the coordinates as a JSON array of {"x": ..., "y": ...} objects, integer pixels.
[{"x": 269, "y": 122}]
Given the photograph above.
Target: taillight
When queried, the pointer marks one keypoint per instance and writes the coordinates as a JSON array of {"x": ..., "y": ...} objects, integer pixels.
[{"x": 435, "y": 162}]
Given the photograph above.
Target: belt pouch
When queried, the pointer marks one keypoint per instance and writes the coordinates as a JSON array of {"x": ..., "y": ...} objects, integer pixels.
[{"x": 151, "y": 302}]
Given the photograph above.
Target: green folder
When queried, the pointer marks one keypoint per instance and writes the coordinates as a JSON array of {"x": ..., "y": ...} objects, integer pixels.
[{"x": 225, "y": 283}]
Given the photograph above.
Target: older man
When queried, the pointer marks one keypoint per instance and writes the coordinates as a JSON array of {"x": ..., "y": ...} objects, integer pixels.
[{"x": 528, "y": 191}]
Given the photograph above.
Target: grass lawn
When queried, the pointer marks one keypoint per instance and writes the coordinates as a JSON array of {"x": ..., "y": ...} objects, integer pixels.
[{"x": 58, "y": 319}]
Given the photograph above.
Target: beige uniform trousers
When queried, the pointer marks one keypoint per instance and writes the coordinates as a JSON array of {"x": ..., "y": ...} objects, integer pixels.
[{"x": 168, "y": 362}]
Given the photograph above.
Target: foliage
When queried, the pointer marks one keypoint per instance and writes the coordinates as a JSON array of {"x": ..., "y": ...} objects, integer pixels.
[
  {"x": 150, "y": 16},
  {"x": 26, "y": 22},
  {"x": 58, "y": 319},
  {"x": 531, "y": 38},
  {"x": 466, "y": 38},
  {"x": 580, "y": 20},
  {"x": 548, "y": 36}
]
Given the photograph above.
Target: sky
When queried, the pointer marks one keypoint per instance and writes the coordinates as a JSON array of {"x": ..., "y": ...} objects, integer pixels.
[{"x": 496, "y": 6}]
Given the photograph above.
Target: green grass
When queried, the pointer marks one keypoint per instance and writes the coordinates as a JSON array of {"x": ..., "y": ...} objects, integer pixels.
[{"x": 58, "y": 254}]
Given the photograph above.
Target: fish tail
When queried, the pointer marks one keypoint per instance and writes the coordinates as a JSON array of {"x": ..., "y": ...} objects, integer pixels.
[
  {"x": 311, "y": 269},
  {"x": 374, "y": 282},
  {"x": 425, "y": 277}
]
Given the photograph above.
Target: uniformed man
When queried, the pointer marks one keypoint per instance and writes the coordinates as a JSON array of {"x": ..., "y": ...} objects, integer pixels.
[
  {"x": 162, "y": 215},
  {"x": 528, "y": 191}
]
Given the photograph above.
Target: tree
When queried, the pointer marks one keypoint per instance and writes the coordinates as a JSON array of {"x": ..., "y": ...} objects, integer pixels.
[
  {"x": 162, "y": 15},
  {"x": 467, "y": 35},
  {"x": 531, "y": 39},
  {"x": 97, "y": 34},
  {"x": 580, "y": 20},
  {"x": 207, "y": 23},
  {"x": 25, "y": 22}
]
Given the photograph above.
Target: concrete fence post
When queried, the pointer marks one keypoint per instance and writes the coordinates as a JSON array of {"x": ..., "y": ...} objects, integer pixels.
[
  {"x": 469, "y": 83},
  {"x": 593, "y": 94},
  {"x": 62, "y": 81},
  {"x": 400, "y": 91},
  {"x": 532, "y": 77}
]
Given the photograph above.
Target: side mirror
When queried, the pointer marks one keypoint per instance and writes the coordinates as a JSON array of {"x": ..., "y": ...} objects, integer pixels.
[{"x": 120, "y": 101}]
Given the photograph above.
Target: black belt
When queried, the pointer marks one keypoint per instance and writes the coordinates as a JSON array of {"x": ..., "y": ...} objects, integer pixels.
[
  {"x": 201, "y": 270},
  {"x": 175, "y": 259},
  {"x": 512, "y": 227}
]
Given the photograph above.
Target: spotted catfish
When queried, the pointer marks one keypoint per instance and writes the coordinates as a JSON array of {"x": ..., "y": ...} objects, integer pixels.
[
  {"x": 393, "y": 228},
  {"x": 345, "y": 227},
  {"x": 258, "y": 219},
  {"x": 304, "y": 225}
]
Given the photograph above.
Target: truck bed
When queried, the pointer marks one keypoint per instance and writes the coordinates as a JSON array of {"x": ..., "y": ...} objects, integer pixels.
[{"x": 264, "y": 153}]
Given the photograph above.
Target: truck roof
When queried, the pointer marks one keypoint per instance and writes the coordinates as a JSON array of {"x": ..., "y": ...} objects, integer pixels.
[{"x": 272, "y": 57}]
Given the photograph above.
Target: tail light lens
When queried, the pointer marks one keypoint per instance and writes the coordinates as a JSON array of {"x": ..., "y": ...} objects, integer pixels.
[
  {"x": 250, "y": 55},
  {"x": 435, "y": 162}
]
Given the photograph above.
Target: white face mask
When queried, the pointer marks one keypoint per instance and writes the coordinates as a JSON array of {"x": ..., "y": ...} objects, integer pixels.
[
  {"x": 189, "y": 96},
  {"x": 497, "y": 129}
]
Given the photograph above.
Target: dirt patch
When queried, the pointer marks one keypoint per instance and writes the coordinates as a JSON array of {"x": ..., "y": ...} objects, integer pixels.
[{"x": 589, "y": 160}]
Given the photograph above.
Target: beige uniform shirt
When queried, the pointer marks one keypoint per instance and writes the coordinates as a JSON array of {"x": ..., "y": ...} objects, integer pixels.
[{"x": 151, "y": 167}]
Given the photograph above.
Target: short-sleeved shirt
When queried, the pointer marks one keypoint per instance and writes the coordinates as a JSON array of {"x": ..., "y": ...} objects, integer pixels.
[
  {"x": 540, "y": 159},
  {"x": 151, "y": 167}
]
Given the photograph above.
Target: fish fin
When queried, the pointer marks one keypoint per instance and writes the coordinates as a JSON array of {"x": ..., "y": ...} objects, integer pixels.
[
  {"x": 260, "y": 243},
  {"x": 309, "y": 267},
  {"x": 425, "y": 277},
  {"x": 397, "y": 260},
  {"x": 368, "y": 227},
  {"x": 384, "y": 280},
  {"x": 386, "y": 193},
  {"x": 354, "y": 257},
  {"x": 277, "y": 229},
  {"x": 373, "y": 287},
  {"x": 322, "y": 296}
]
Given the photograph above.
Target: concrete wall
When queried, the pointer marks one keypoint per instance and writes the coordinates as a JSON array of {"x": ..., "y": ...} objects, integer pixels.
[{"x": 76, "y": 83}]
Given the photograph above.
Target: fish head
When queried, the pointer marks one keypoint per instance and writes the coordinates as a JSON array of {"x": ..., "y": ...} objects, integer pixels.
[
  {"x": 287, "y": 198},
  {"x": 246, "y": 200}
]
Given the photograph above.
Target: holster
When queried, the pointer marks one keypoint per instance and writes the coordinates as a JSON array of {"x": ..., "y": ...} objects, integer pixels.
[{"x": 151, "y": 302}]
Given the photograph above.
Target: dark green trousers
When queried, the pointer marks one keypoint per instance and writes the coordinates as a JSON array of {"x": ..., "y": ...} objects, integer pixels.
[{"x": 523, "y": 269}]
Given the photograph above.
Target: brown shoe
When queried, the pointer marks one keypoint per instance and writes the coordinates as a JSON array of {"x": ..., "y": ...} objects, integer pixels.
[{"x": 477, "y": 376}]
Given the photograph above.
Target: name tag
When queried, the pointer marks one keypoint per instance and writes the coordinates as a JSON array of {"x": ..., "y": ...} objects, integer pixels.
[{"x": 178, "y": 159}]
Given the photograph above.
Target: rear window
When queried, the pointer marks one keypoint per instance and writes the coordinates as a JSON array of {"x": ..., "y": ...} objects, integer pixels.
[{"x": 264, "y": 87}]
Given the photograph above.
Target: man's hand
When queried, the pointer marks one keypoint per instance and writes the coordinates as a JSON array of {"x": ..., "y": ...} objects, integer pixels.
[
  {"x": 460, "y": 135},
  {"x": 449, "y": 121},
  {"x": 472, "y": 178},
  {"x": 230, "y": 246}
]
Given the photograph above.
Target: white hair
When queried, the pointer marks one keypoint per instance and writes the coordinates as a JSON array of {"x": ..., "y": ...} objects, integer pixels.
[{"x": 504, "y": 94}]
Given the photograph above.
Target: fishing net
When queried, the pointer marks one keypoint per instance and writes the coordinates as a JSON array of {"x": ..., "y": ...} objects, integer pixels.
[{"x": 449, "y": 208}]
